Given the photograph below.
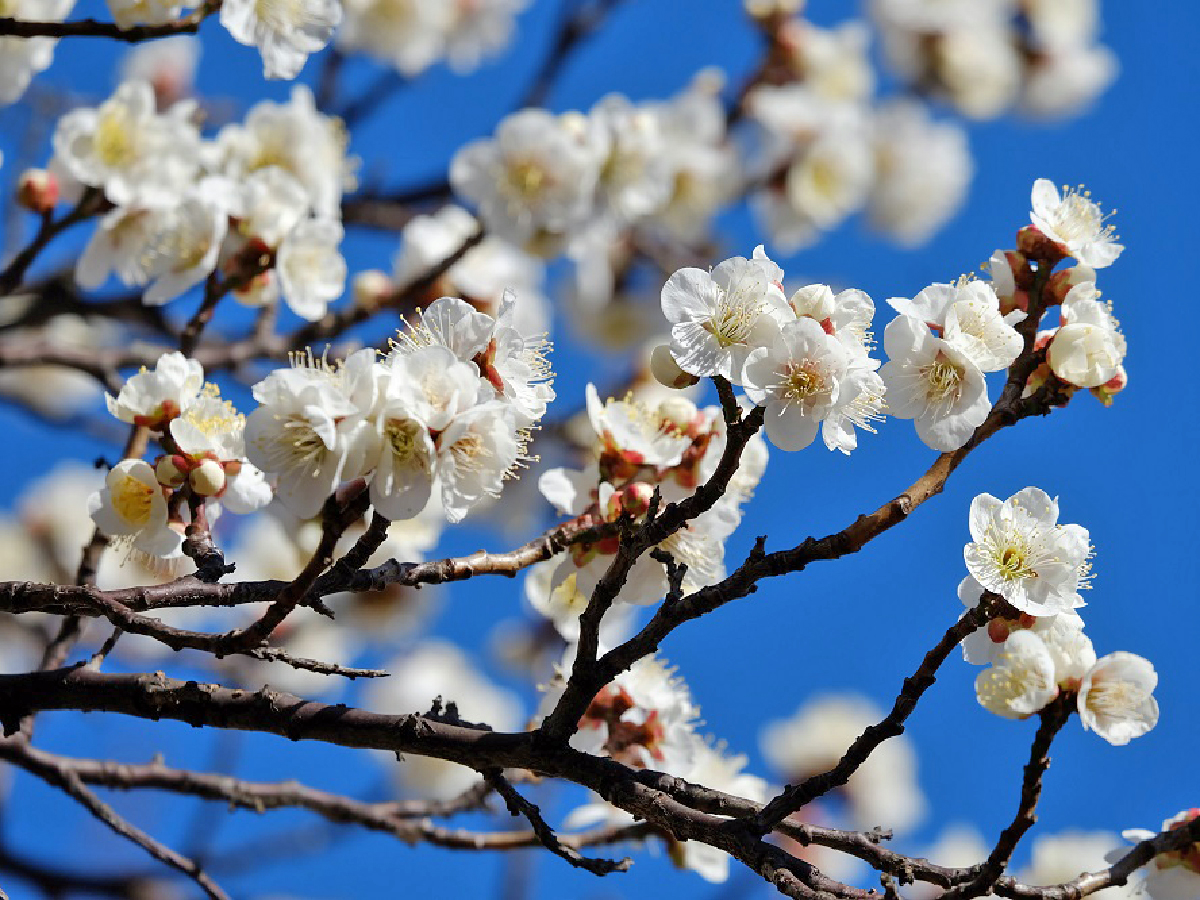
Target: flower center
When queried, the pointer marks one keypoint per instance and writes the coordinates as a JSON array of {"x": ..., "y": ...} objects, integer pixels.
[
  {"x": 401, "y": 435},
  {"x": 801, "y": 382},
  {"x": 133, "y": 500},
  {"x": 113, "y": 139}
]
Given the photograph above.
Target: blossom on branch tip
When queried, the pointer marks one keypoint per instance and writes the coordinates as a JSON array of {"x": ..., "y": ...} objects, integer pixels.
[
  {"x": 1021, "y": 679},
  {"x": 1174, "y": 875},
  {"x": 1075, "y": 223},
  {"x": 153, "y": 398},
  {"x": 1087, "y": 350},
  {"x": 1115, "y": 698}
]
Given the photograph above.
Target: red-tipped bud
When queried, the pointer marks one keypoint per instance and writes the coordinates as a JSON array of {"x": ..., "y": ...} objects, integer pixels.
[
  {"x": 1060, "y": 283},
  {"x": 171, "y": 471},
  {"x": 1039, "y": 248},
  {"x": 37, "y": 191}
]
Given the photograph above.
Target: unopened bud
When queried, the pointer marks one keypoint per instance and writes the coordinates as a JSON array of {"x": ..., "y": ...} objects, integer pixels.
[
  {"x": 208, "y": 478},
  {"x": 1036, "y": 246},
  {"x": 37, "y": 191},
  {"x": 667, "y": 372},
  {"x": 371, "y": 289},
  {"x": 169, "y": 472},
  {"x": 1060, "y": 283}
]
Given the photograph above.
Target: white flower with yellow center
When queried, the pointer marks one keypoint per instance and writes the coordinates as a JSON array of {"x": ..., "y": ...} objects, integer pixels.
[
  {"x": 132, "y": 503},
  {"x": 717, "y": 318},
  {"x": 298, "y": 139},
  {"x": 536, "y": 177},
  {"x": 1088, "y": 349},
  {"x": 1020, "y": 552},
  {"x": 1020, "y": 680},
  {"x": 932, "y": 382},
  {"x": 476, "y": 452},
  {"x": 310, "y": 430},
  {"x": 967, "y": 315},
  {"x": 285, "y": 31},
  {"x": 1075, "y": 222},
  {"x": 128, "y": 149},
  {"x": 152, "y": 398},
  {"x": 798, "y": 378},
  {"x": 1115, "y": 698}
]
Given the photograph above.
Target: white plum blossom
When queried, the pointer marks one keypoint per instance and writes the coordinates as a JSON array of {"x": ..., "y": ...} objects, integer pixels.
[
  {"x": 1115, "y": 698},
  {"x": 923, "y": 169},
  {"x": 270, "y": 202},
  {"x": 476, "y": 452},
  {"x": 284, "y": 31},
  {"x": 1021, "y": 679},
  {"x": 132, "y": 504},
  {"x": 1019, "y": 551},
  {"x": 152, "y": 398},
  {"x": 23, "y": 57},
  {"x": 212, "y": 430},
  {"x": 640, "y": 436},
  {"x": 1067, "y": 79},
  {"x": 934, "y": 383},
  {"x": 717, "y": 318},
  {"x": 967, "y": 315},
  {"x": 127, "y": 148},
  {"x": 1075, "y": 222},
  {"x": 798, "y": 378},
  {"x": 484, "y": 273},
  {"x": 535, "y": 179},
  {"x": 636, "y": 177},
  {"x": 310, "y": 430},
  {"x": 406, "y": 34},
  {"x": 478, "y": 29},
  {"x": 311, "y": 270},
  {"x": 298, "y": 139},
  {"x": 1087, "y": 350}
]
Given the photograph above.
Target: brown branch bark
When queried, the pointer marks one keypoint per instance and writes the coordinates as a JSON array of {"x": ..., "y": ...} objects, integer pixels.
[{"x": 188, "y": 24}]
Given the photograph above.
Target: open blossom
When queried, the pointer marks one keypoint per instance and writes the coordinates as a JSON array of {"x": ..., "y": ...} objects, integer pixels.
[
  {"x": 1088, "y": 348},
  {"x": 312, "y": 272},
  {"x": 718, "y": 317},
  {"x": 1021, "y": 679},
  {"x": 932, "y": 382},
  {"x": 127, "y": 148},
  {"x": 285, "y": 31},
  {"x": 132, "y": 503},
  {"x": 1075, "y": 222},
  {"x": 297, "y": 138},
  {"x": 21, "y": 57},
  {"x": 967, "y": 315},
  {"x": 476, "y": 452},
  {"x": 1115, "y": 698},
  {"x": 537, "y": 177},
  {"x": 310, "y": 429},
  {"x": 152, "y": 398},
  {"x": 1020, "y": 552}
]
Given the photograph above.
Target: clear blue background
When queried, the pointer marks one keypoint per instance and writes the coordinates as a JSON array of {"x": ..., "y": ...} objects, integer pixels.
[{"x": 1126, "y": 473}]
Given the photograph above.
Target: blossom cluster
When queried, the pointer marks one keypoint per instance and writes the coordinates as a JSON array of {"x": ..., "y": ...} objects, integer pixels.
[
  {"x": 987, "y": 56},
  {"x": 805, "y": 358},
  {"x": 203, "y": 439},
  {"x": 640, "y": 447},
  {"x": 259, "y": 202},
  {"x": 1021, "y": 552},
  {"x": 646, "y": 718},
  {"x": 450, "y": 408}
]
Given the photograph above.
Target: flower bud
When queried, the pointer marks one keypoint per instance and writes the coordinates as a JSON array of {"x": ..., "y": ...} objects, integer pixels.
[
  {"x": 667, "y": 372},
  {"x": 37, "y": 191},
  {"x": 170, "y": 471},
  {"x": 1084, "y": 355},
  {"x": 371, "y": 289},
  {"x": 1039, "y": 248},
  {"x": 1060, "y": 283},
  {"x": 208, "y": 478}
]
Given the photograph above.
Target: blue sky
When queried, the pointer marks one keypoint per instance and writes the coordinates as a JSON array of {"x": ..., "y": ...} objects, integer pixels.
[{"x": 1126, "y": 473}]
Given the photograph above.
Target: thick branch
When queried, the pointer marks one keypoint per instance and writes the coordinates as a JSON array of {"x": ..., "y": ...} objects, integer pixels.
[{"x": 188, "y": 24}]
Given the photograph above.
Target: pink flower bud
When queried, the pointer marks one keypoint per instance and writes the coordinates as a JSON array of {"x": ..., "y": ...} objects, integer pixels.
[
  {"x": 37, "y": 191},
  {"x": 1039, "y": 248}
]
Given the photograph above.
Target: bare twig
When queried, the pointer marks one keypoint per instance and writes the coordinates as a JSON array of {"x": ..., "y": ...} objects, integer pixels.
[{"x": 188, "y": 24}]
